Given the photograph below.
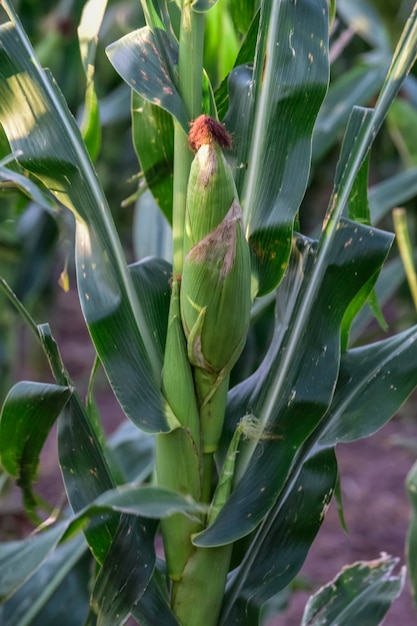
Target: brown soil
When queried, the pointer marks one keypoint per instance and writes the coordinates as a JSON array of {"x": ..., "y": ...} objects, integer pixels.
[
  {"x": 373, "y": 472},
  {"x": 376, "y": 511}
]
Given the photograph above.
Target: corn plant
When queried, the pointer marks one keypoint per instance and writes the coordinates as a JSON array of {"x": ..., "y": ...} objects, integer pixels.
[{"x": 233, "y": 472}]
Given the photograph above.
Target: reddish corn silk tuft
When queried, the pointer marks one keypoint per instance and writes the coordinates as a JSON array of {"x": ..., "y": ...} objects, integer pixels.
[{"x": 206, "y": 130}]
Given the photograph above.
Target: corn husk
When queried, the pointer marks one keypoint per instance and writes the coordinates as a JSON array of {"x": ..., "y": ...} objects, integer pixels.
[
  {"x": 210, "y": 193},
  {"x": 215, "y": 295}
]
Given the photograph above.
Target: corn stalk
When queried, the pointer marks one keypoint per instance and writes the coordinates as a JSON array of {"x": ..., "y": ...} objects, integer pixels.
[{"x": 244, "y": 471}]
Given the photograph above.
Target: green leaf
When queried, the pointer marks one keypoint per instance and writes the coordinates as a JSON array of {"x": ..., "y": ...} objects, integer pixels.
[
  {"x": 291, "y": 390},
  {"x": 20, "y": 559},
  {"x": 61, "y": 581},
  {"x": 153, "y": 139},
  {"x": 28, "y": 414},
  {"x": 86, "y": 476},
  {"x": 358, "y": 210},
  {"x": 361, "y": 594},
  {"x": 134, "y": 452},
  {"x": 374, "y": 380},
  {"x": 201, "y": 6},
  {"x": 152, "y": 233},
  {"x": 124, "y": 569},
  {"x": 280, "y": 105},
  {"x": 150, "y": 69},
  {"x": 221, "y": 44},
  {"x": 148, "y": 501},
  {"x": 155, "y": 600},
  {"x": 151, "y": 277},
  {"x": 88, "y": 29},
  {"x": 245, "y": 55},
  {"x": 389, "y": 281},
  {"x": 411, "y": 545},
  {"x": 41, "y": 129},
  {"x": 278, "y": 549}
]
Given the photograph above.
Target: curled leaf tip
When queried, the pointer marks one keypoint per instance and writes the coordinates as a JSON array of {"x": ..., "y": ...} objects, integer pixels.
[{"x": 206, "y": 130}]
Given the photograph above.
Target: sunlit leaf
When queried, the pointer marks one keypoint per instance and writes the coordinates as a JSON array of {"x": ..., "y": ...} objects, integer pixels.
[
  {"x": 242, "y": 12},
  {"x": 221, "y": 44},
  {"x": 88, "y": 29},
  {"x": 27, "y": 186},
  {"x": 45, "y": 136}
]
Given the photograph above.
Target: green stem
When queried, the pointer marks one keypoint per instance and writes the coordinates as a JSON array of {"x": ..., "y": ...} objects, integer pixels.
[
  {"x": 190, "y": 72},
  {"x": 212, "y": 413},
  {"x": 198, "y": 598}
]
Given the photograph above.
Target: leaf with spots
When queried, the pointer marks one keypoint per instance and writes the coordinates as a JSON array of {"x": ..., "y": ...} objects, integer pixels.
[
  {"x": 360, "y": 594},
  {"x": 290, "y": 392},
  {"x": 153, "y": 138},
  {"x": 149, "y": 69},
  {"x": 282, "y": 541},
  {"x": 374, "y": 380},
  {"x": 271, "y": 115},
  {"x": 47, "y": 143}
]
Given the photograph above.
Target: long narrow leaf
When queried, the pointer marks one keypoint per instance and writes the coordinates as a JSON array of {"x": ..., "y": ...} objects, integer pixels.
[
  {"x": 48, "y": 593},
  {"x": 41, "y": 130},
  {"x": 387, "y": 370},
  {"x": 294, "y": 386},
  {"x": 281, "y": 104},
  {"x": 28, "y": 414},
  {"x": 279, "y": 548},
  {"x": 88, "y": 29},
  {"x": 153, "y": 137},
  {"x": 20, "y": 559},
  {"x": 361, "y": 594}
]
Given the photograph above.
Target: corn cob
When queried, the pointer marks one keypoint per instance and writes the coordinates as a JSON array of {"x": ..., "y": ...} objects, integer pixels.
[{"x": 215, "y": 288}]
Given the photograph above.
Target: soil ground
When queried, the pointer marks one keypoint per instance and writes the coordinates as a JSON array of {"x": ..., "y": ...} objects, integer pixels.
[{"x": 373, "y": 472}]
